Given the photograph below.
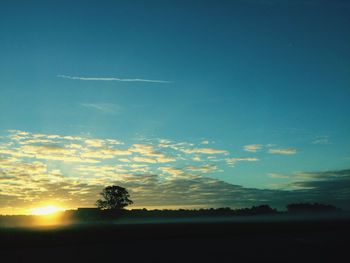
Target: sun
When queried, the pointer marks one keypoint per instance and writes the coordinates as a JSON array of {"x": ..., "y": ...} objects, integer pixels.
[{"x": 46, "y": 210}]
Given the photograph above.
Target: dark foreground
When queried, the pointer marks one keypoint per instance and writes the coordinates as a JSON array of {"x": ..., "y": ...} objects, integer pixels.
[{"x": 293, "y": 241}]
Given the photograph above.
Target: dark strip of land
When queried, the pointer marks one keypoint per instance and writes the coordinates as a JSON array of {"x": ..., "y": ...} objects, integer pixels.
[{"x": 311, "y": 240}]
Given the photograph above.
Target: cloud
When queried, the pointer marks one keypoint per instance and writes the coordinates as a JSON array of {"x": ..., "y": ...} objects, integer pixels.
[
  {"x": 204, "y": 169},
  {"x": 104, "y": 153},
  {"x": 321, "y": 140},
  {"x": 102, "y": 170},
  {"x": 72, "y": 170},
  {"x": 37, "y": 141},
  {"x": 18, "y": 135},
  {"x": 144, "y": 149},
  {"x": 232, "y": 161},
  {"x": 196, "y": 159},
  {"x": 124, "y": 160},
  {"x": 172, "y": 170},
  {"x": 204, "y": 151},
  {"x": 103, "y": 107},
  {"x": 328, "y": 175},
  {"x": 252, "y": 147},
  {"x": 144, "y": 160},
  {"x": 278, "y": 176},
  {"x": 30, "y": 163},
  {"x": 32, "y": 179},
  {"x": 36, "y": 182},
  {"x": 185, "y": 190},
  {"x": 14, "y": 153},
  {"x": 330, "y": 187},
  {"x": 54, "y": 152},
  {"x": 62, "y": 148},
  {"x": 162, "y": 159},
  {"x": 286, "y": 151},
  {"x": 113, "y": 141},
  {"x": 113, "y": 79},
  {"x": 149, "y": 154},
  {"x": 95, "y": 142},
  {"x": 165, "y": 159}
]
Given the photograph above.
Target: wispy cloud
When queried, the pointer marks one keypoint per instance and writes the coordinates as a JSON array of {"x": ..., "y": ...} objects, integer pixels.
[
  {"x": 232, "y": 161},
  {"x": 113, "y": 79},
  {"x": 207, "y": 168},
  {"x": 287, "y": 151},
  {"x": 252, "y": 147},
  {"x": 103, "y": 107},
  {"x": 278, "y": 176},
  {"x": 205, "y": 151},
  {"x": 321, "y": 140}
]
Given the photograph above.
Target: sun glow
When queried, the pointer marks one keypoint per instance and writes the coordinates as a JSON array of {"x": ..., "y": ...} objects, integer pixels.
[{"x": 46, "y": 210}]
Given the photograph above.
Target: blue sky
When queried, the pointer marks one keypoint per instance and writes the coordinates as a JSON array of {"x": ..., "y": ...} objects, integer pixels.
[{"x": 220, "y": 75}]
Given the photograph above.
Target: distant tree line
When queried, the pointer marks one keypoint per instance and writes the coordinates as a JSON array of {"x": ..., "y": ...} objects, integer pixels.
[
  {"x": 261, "y": 210},
  {"x": 309, "y": 207},
  {"x": 116, "y": 198},
  {"x": 227, "y": 211}
]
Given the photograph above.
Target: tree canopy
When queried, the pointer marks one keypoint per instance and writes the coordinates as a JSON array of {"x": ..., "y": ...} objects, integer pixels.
[{"x": 114, "y": 197}]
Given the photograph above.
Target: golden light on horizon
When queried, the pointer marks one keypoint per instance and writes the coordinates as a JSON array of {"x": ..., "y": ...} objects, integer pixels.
[{"x": 46, "y": 210}]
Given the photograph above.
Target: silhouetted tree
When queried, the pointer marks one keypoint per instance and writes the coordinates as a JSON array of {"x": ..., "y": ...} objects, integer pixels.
[{"x": 114, "y": 197}]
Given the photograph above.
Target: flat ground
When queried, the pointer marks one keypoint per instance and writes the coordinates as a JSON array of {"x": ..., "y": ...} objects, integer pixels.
[{"x": 288, "y": 241}]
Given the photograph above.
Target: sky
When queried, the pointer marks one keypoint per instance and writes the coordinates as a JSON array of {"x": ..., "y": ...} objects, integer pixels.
[{"x": 187, "y": 104}]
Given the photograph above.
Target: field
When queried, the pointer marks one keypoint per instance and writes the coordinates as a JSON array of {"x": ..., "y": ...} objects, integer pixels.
[{"x": 236, "y": 241}]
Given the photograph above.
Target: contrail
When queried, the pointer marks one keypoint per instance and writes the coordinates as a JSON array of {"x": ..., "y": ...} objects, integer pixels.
[{"x": 113, "y": 79}]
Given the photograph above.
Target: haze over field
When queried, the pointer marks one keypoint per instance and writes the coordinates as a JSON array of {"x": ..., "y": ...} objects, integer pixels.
[{"x": 187, "y": 104}]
